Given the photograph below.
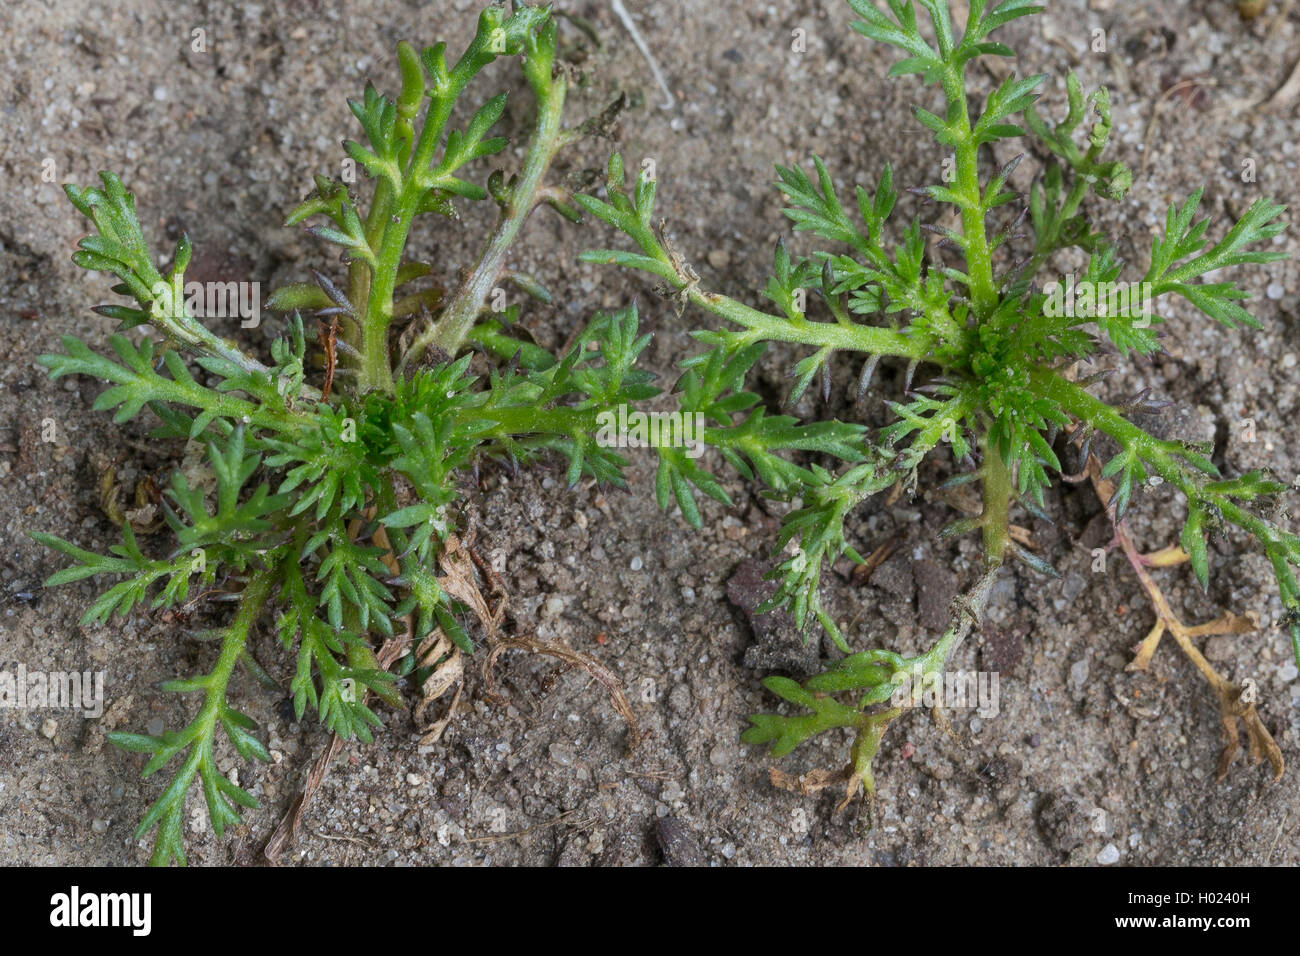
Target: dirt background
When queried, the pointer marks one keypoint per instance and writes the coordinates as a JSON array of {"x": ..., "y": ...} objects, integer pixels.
[{"x": 221, "y": 143}]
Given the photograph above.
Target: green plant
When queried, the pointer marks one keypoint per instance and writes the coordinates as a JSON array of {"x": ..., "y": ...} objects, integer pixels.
[
  {"x": 999, "y": 354},
  {"x": 330, "y": 508}
]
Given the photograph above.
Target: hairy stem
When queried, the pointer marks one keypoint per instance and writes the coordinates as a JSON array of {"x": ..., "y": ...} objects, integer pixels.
[
  {"x": 397, "y": 213},
  {"x": 970, "y": 612},
  {"x": 376, "y": 369},
  {"x": 251, "y": 602},
  {"x": 201, "y": 732},
  {"x": 979, "y": 258},
  {"x": 997, "y": 491},
  {"x": 761, "y": 326},
  {"x": 1086, "y": 407},
  {"x": 453, "y": 325}
]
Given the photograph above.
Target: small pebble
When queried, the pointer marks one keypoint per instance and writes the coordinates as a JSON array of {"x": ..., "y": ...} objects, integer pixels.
[
  {"x": 1220, "y": 648},
  {"x": 1109, "y": 854},
  {"x": 98, "y": 825},
  {"x": 49, "y": 728},
  {"x": 636, "y": 564},
  {"x": 1275, "y": 290},
  {"x": 679, "y": 845},
  {"x": 414, "y": 779}
]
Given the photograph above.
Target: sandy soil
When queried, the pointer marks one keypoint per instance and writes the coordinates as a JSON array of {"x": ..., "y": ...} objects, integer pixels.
[{"x": 220, "y": 143}]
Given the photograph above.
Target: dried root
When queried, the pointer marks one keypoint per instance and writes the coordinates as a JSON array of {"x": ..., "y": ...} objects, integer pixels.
[{"x": 1236, "y": 702}]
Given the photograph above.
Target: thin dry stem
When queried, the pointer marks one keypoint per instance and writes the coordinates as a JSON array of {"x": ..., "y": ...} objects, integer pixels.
[{"x": 1236, "y": 704}]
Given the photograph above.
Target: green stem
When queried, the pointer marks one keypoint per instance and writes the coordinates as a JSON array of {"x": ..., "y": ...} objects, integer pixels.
[
  {"x": 979, "y": 258},
  {"x": 361, "y": 273},
  {"x": 201, "y": 731},
  {"x": 973, "y": 604},
  {"x": 997, "y": 489},
  {"x": 460, "y": 314},
  {"x": 376, "y": 370},
  {"x": 531, "y": 420},
  {"x": 1049, "y": 243},
  {"x": 396, "y": 213},
  {"x": 251, "y": 601},
  {"x": 1086, "y": 407},
  {"x": 762, "y": 326}
]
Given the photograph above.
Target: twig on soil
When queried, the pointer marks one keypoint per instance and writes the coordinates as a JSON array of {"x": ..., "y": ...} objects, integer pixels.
[
  {"x": 393, "y": 648},
  {"x": 607, "y": 678},
  {"x": 1277, "y": 839},
  {"x": 450, "y": 670},
  {"x": 1285, "y": 93},
  {"x": 287, "y": 830},
  {"x": 814, "y": 781},
  {"x": 1153, "y": 122},
  {"x": 342, "y": 838},
  {"x": 1236, "y": 703},
  {"x": 862, "y": 572},
  {"x": 629, "y": 24},
  {"x": 458, "y": 562}
]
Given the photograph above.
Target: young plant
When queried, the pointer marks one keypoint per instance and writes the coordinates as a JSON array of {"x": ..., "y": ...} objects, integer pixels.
[
  {"x": 334, "y": 490},
  {"x": 999, "y": 355}
]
